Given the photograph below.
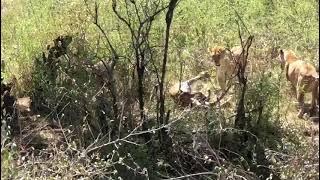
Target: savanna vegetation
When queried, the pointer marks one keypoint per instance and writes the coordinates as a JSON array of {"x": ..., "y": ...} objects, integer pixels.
[{"x": 95, "y": 76}]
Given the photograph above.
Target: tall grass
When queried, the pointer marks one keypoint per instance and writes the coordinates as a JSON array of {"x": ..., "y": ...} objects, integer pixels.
[{"x": 28, "y": 26}]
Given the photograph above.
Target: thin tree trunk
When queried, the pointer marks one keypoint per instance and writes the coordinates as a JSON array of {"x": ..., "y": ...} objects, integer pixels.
[{"x": 169, "y": 17}]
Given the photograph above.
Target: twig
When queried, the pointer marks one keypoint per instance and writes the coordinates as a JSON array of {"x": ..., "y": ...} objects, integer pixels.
[{"x": 192, "y": 175}]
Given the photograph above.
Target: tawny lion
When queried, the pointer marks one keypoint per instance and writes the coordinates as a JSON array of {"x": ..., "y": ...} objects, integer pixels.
[
  {"x": 226, "y": 63},
  {"x": 303, "y": 77}
]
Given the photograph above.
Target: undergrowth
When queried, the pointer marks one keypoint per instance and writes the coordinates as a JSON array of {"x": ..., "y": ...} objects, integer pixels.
[{"x": 204, "y": 141}]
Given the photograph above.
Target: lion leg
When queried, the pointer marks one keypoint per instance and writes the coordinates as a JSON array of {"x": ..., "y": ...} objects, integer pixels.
[
  {"x": 300, "y": 98},
  {"x": 231, "y": 82},
  {"x": 294, "y": 90},
  {"x": 313, "y": 106},
  {"x": 314, "y": 100},
  {"x": 222, "y": 81}
]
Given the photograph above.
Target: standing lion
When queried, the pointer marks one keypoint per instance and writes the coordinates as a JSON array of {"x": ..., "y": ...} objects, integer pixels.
[{"x": 227, "y": 63}]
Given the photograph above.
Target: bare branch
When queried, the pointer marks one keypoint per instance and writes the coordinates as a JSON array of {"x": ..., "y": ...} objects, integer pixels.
[
  {"x": 134, "y": 132},
  {"x": 193, "y": 175},
  {"x": 114, "y": 8}
]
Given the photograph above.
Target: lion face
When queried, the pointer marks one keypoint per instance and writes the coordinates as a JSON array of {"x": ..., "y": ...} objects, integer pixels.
[{"x": 217, "y": 54}]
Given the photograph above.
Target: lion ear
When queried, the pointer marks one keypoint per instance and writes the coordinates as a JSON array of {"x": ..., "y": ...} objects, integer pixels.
[
  {"x": 281, "y": 52},
  {"x": 209, "y": 50}
]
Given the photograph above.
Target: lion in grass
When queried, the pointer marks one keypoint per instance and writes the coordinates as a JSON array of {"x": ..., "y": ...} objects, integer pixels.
[
  {"x": 304, "y": 78},
  {"x": 226, "y": 62}
]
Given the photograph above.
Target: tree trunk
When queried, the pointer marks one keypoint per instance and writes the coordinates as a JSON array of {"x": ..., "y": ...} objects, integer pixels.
[{"x": 162, "y": 120}]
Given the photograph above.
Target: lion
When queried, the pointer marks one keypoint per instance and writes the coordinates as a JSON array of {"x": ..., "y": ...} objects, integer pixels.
[
  {"x": 226, "y": 62},
  {"x": 182, "y": 95},
  {"x": 304, "y": 78}
]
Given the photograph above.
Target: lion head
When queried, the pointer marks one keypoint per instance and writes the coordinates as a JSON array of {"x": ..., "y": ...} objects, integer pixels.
[
  {"x": 217, "y": 53},
  {"x": 286, "y": 56}
]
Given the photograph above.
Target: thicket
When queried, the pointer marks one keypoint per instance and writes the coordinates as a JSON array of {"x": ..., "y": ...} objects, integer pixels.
[{"x": 121, "y": 123}]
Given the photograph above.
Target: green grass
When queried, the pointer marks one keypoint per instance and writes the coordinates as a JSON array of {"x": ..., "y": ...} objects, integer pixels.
[{"x": 30, "y": 25}]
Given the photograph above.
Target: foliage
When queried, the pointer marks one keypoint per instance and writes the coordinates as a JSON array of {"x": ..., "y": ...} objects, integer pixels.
[{"x": 273, "y": 137}]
